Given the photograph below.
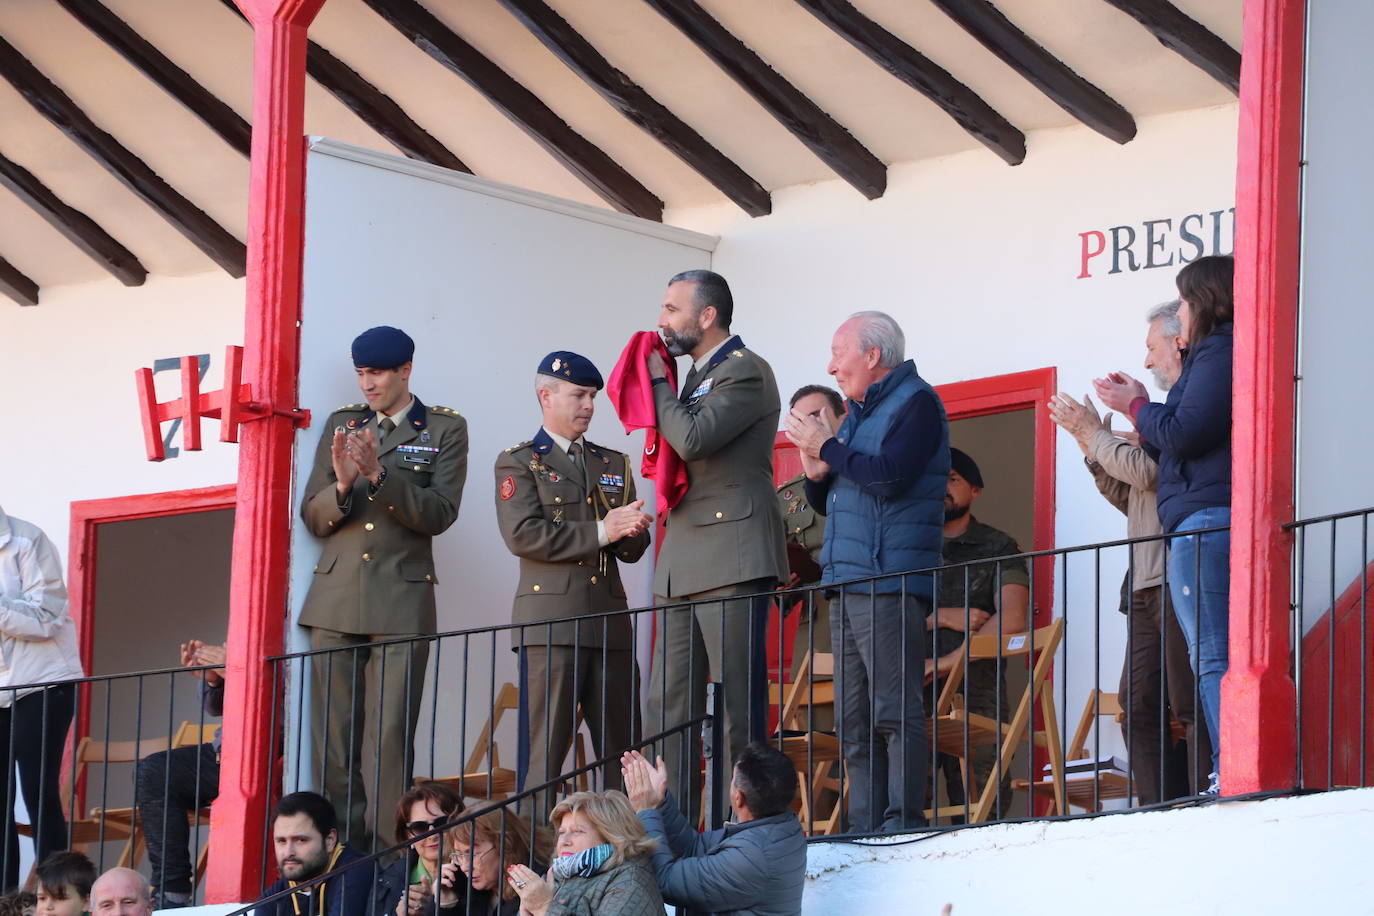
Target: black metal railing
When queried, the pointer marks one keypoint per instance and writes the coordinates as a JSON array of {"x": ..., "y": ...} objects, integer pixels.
[{"x": 1332, "y": 649}]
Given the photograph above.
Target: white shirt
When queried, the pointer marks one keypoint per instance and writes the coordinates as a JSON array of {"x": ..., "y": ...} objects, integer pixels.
[
  {"x": 706, "y": 357},
  {"x": 396, "y": 417},
  {"x": 565, "y": 444}
]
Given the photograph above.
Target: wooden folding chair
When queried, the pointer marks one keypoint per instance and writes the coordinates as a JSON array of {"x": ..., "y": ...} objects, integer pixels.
[
  {"x": 957, "y": 732},
  {"x": 815, "y": 754},
  {"x": 188, "y": 734},
  {"x": 1086, "y": 790}
]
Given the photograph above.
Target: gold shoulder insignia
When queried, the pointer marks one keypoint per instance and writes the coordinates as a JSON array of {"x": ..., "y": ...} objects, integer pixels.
[
  {"x": 449, "y": 411},
  {"x": 516, "y": 448},
  {"x": 351, "y": 407},
  {"x": 739, "y": 353}
]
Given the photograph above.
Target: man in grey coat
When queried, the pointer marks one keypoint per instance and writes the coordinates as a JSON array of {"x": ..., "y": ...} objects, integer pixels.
[
  {"x": 724, "y": 540},
  {"x": 755, "y": 865}
]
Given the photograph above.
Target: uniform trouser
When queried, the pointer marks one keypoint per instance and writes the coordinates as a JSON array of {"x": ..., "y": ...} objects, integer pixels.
[
  {"x": 711, "y": 637},
  {"x": 172, "y": 785},
  {"x": 879, "y": 670},
  {"x": 555, "y": 683},
  {"x": 349, "y": 686},
  {"x": 33, "y": 729},
  {"x": 1146, "y": 688},
  {"x": 981, "y": 689}
]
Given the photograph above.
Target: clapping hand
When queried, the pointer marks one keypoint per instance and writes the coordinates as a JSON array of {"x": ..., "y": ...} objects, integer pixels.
[
  {"x": 345, "y": 470},
  {"x": 196, "y": 653},
  {"x": 535, "y": 893},
  {"x": 1118, "y": 390},
  {"x": 627, "y": 521},
  {"x": 415, "y": 901},
  {"x": 362, "y": 450},
  {"x": 644, "y": 784}
]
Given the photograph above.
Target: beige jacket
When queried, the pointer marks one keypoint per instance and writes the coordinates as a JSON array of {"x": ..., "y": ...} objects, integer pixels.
[
  {"x": 1127, "y": 477},
  {"x": 727, "y": 529}
]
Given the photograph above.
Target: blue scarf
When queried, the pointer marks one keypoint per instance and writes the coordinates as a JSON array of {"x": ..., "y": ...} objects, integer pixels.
[{"x": 583, "y": 864}]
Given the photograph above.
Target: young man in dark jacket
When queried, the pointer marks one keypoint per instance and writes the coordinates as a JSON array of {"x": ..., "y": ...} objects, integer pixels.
[
  {"x": 305, "y": 837},
  {"x": 755, "y": 865}
]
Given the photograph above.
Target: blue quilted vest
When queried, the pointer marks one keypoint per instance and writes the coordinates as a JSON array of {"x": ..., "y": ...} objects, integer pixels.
[{"x": 866, "y": 535}]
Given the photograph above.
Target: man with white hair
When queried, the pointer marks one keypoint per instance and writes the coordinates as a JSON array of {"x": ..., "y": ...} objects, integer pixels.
[
  {"x": 121, "y": 892},
  {"x": 880, "y": 480}
]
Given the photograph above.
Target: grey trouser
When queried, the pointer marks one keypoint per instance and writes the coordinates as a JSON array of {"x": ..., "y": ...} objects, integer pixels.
[
  {"x": 388, "y": 683},
  {"x": 879, "y": 670},
  {"x": 708, "y": 637}
]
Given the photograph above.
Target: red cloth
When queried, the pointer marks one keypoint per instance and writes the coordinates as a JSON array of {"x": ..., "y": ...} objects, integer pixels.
[{"x": 631, "y": 392}]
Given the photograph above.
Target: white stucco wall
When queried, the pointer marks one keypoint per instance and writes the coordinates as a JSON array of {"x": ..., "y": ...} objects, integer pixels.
[{"x": 1280, "y": 856}]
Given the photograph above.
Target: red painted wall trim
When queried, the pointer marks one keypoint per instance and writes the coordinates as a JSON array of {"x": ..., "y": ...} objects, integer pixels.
[
  {"x": 262, "y": 527},
  {"x": 1258, "y": 700}
]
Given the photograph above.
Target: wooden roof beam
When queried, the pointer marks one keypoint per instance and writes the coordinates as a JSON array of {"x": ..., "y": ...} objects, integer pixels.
[
  {"x": 589, "y": 163},
  {"x": 1189, "y": 38},
  {"x": 825, "y": 137},
  {"x": 55, "y": 105},
  {"x": 1042, "y": 69},
  {"x": 77, "y": 227},
  {"x": 376, "y": 109},
  {"x": 17, "y": 286},
  {"x": 635, "y": 103},
  {"x": 146, "y": 58},
  {"x": 921, "y": 73}
]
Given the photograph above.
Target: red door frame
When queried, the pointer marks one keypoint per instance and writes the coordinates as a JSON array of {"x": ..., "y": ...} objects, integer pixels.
[{"x": 84, "y": 537}]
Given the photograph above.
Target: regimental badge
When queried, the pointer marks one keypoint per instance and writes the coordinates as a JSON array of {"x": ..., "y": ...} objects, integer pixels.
[
  {"x": 558, "y": 516},
  {"x": 355, "y": 422},
  {"x": 508, "y": 487},
  {"x": 542, "y": 471},
  {"x": 557, "y": 364},
  {"x": 424, "y": 436},
  {"x": 787, "y": 494}
]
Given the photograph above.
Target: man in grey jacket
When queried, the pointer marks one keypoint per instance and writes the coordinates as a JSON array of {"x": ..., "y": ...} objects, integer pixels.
[
  {"x": 755, "y": 865},
  {"x": 1126, "y": 477}
]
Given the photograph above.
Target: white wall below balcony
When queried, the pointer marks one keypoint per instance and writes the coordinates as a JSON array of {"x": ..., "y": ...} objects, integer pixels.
[{"x": 1283, "y": 855}]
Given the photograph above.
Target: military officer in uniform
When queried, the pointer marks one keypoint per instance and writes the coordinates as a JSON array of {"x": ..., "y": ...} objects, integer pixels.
[
  {"x": 567, "y": 510},
  {"x": 805, "y": 529},
  {"x": 388, "y": 477},
  {"x": 724, "y": 539}
]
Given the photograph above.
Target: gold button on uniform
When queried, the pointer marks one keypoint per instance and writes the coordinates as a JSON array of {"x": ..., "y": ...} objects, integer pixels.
[
  {"x": 720, "y": 515},
  {"x": 429, "y": 577},
  {"x": 593, "y": 580},
  {"x": 579, "y": 563},
  {"x": 366, "y": 557},
  {"x": 536, "y": 588},
  {"x": 589, "y": 500},
  {"x": 558, "y": 499},
  {"x": 369, "y": 526}
]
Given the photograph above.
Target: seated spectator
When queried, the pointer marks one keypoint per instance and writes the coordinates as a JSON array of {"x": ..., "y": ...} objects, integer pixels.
[
  {"x": 305, "y": 837},
  {"x": 18, "y": 903},
  {"x": 121, "y": 892},
  {"x": 483, "y": 849},
  {"x": 406, "y": 887},
  {"x": 174, "y": 784},
  {"x": 985, "y": 599},
  {"x": 64, "y": 884},
  {"x": 601, "y": 866},
  {"x": 753, "y": 866}
]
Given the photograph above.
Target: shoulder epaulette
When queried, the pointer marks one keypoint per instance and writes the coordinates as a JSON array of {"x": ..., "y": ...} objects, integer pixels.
[
  {"x": 352, "y": 407},
  {"x": 516, "y": 448},
  {"x": 446, "y": 411}
]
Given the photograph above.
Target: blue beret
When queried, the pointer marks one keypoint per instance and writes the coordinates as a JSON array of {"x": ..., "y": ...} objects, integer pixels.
[
  {"x": 571, "y": 368},
  {"x": 382, "y": 348},
  {"x": 966, "y": 467}
]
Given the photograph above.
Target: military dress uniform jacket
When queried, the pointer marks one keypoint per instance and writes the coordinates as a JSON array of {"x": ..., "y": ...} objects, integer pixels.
[
  {"x": 375, "y": 575},
  {"x": 727, "y": 528},
  {"x": 803, "y": 524},
  {"x": 548, "y": 514}
]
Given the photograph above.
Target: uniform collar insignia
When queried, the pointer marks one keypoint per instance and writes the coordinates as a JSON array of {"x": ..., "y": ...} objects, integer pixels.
[
  {"x": 721, "y": 355},
  {"x": 542, "y": 441},
  {"x": 418, "y": 415}
]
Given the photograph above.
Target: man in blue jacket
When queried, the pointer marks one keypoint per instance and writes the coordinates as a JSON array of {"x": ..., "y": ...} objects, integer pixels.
[
  {"x": 305, "y": 837},
  {"x": 881, "y": 481},
  {"x": 755, "y": 865}
]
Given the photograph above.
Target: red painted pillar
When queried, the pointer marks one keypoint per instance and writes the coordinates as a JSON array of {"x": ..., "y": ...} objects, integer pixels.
[
  {"x": 1258, "y": 699},
  {"x": 262, "y": 526}
]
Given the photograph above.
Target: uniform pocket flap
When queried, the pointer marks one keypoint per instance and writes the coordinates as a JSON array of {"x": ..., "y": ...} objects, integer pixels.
[
  {"x": 730, "y": 507},
  {"x": 545, "y": 582},
  {"x": 326, "y": 564},
  {"x": 414, "y": 571}
]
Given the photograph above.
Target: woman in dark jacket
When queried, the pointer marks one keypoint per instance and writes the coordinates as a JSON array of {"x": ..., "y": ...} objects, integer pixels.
[
  {"x": 406, "y": 887},
  {"x": 601, "y": 867},
  {"x": 484, "y": 849},
  {"x": 1190, "y": 436}
]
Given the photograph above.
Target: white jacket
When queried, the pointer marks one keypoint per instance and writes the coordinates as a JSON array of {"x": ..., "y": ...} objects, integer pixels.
[{"x": 37, "y": 635}]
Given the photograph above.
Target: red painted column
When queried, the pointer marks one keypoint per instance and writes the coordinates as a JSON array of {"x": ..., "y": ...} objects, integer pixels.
[
  {"x": 1258, "y": 699},
  {"x": 262, "y": 526}
]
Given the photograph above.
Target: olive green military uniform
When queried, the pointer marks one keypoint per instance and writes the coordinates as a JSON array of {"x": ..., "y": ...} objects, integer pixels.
[
  {"x": 985, "y": 681},
  {"x": 723, "y": 539},
  {"x": 805, "y": 527},
  {"x": 548, "y": 508},
  {"x": 375, "y": 580}
]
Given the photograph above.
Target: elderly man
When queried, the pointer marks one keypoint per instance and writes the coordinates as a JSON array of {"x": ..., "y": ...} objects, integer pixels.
[
  {"x": 388, "y": 477},
  {"x": 307, "y": 845},
  {"x": 1126, "y": 476},
  {"x": 754, "y": 866},
  {"x": 567, "y": 508},
  {"x": 121, "y": 892},
  {"x": 881, "y": 483},
  {"x": 724, "y": 539}
]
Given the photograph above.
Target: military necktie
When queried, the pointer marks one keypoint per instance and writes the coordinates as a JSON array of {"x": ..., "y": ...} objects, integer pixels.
[
  {"x": 386, "y": 426},
  {"x": 575, "y": 454}
]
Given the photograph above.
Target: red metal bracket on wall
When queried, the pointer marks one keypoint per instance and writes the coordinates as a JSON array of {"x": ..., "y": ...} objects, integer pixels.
[{"x": 231, "y": 405}]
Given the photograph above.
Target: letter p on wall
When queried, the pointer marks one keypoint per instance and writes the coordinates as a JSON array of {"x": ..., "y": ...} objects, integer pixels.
[{"x": 1090, "y": 251}]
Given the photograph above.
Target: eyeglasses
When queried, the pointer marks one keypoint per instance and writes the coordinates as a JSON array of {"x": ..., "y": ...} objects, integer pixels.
[
  {"x": 462, "y": 855},
  {"x": 416, "y": 827}
]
